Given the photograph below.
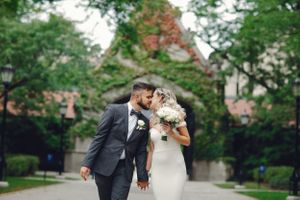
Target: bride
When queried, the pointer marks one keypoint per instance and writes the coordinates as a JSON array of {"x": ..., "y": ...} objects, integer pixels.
[{"x": 165, "y": 159}]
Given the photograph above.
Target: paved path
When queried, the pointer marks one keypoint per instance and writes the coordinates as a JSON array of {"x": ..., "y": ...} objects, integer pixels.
[{"x": 79, "y": 190}]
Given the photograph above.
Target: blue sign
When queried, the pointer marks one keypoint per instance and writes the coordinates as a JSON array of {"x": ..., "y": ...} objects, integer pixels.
[
  {"x": 50, "y": 158},
  {"x": 262, "y": 169}
]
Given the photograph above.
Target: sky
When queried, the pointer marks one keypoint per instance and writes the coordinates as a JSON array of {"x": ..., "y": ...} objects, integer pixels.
[{"x": 97, "y": 29}]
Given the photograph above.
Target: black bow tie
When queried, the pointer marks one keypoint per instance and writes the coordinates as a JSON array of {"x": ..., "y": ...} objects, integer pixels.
[{"x": 133, "y": 112}]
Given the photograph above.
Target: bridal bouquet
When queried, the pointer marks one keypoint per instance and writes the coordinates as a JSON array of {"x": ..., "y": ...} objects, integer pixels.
[{"x": 168, "y": 115}]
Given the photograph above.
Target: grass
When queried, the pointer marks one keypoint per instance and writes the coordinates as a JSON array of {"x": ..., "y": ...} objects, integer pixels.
[
  {"x": 267, "y": 195},
  {"x": 42, "y": 176},
  {"x": 263, "y": 191},
  {"x": 253, "y": 185},
  {"x": 227, "y": 185},
  {"x": 53, "y": 177},
  {"x": 72, "y": 179},
  {"x": 248, "y": 185},
  {"x": 20, "y": 183}
]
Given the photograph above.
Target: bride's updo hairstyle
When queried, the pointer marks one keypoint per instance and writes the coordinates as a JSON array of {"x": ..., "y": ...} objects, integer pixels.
[{"x": 169, "y": 100}]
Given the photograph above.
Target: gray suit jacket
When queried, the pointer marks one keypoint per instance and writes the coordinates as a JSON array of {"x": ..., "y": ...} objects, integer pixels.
[{"x": 111, "y": 139}]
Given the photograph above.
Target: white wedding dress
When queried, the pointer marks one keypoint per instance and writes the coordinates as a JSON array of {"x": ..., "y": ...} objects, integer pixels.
[{"x": 168, "y": 171}]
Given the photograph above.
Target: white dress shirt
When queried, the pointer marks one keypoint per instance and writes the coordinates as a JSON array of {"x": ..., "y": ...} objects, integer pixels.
[{"x": 132, "y": 119}]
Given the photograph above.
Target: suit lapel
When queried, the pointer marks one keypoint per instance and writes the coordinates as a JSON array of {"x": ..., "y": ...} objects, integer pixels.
[
  {"x": 135, "y": 131},
  {"x": 125, "y": 116}
]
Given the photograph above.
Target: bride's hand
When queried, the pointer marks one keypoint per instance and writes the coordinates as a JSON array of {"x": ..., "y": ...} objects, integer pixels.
[{"x": 167, "y": 128}]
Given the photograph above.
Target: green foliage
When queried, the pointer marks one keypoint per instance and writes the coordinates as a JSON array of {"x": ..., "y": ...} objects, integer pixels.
[
  {"x": 227, "y": 185},
  {"x": 124, "y": 9},
  {"x": 21, "y": 165},
  {"x": 272, "y": 146},
  {"x": 280, "y": 182},
  {"x": 276, "y": 177},
  {"x": 18, "y": 8},
  {"x": 254, "y": 30},
  {"x": 280, "y": 171},
  {"x": 208, "y": 147},
  {"x": 128, "y": 37},
  {"x": 21, "y": 183},
  {"x": 85, "y": 128},
  {"x": 267, "y": 195},
  {"x": 163, "y": 57},
  {"x": 187, "y": 75},
  {"x": 121, "y": 9},
  {"x": 47, "y": 55},
  {"x": 34, "y": 135}
]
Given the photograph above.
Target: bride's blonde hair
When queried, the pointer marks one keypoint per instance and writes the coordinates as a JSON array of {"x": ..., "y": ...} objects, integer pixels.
[{"x": 168, "y": 100}]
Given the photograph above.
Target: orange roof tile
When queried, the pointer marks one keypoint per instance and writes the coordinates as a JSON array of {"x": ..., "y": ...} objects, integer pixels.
[
  {"x": 57, "y": 97},
  {"x": 238, "y": 107}
]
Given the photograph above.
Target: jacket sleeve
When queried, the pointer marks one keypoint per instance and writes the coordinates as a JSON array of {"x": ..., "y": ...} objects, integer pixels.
[
  {"x": 103, "y": 129},
  {"x": 141, "y": 158}
]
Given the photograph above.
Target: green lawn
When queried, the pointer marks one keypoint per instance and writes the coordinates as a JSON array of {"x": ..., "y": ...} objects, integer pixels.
[
  {"x": 266, "y": 195},
  {"x": 42, "y": 176},
  {"x": 248, "y": 185},
  {"x": 19, "y": 183},
  {"x": 53, "y": 177},
  {"x": 227, "y": 185},
  {"x": 262, "y": 193}
]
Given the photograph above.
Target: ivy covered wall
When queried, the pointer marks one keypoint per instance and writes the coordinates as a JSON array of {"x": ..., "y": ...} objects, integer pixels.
[{"x": 142, "y": 50}]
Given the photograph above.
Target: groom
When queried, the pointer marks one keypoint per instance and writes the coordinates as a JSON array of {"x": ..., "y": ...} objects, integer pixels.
[{"x": 122, "y": 135}]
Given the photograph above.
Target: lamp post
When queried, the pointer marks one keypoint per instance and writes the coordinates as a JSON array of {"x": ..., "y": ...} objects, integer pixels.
[
  {"x": 244, "y": 117},
  {"x": 293, "y": 189},
  {"x": 7, "y": 73},
  {"x": 63, "y": 110}
]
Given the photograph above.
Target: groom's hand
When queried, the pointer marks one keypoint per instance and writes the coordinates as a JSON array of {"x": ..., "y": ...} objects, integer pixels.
[
  {"x": 85, "y": 172},
  {"x": 143, "y": 185}
]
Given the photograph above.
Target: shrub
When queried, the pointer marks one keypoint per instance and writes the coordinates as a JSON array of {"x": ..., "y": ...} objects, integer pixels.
[
  {"x": 21, "y": 165},
  {"x": 276, "y": 177},
  {"x": 256, "y": 175},
  {"x": 281, "y": 171},
  {"x": 280, "y": 182}
]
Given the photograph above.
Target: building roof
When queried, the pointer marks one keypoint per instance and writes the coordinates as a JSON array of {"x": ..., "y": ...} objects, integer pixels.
[
  {"x": 238, "y": 107},
  {"x": 70, "y": 98}
]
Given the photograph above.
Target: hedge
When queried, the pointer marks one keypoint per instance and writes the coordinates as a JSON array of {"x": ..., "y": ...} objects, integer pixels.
[{"x": 21, "y": 165}]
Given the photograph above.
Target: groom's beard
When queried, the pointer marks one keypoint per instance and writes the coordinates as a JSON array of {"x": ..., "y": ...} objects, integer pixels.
[{"x": 142, "y": 105}]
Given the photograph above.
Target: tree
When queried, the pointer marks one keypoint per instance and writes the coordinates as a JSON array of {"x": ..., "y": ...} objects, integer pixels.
[
  {"x": 48, "y": 56},
  {"x": 248, "y": 31},
  {"x": 261, "y": 40},
  {"x": 118, "y": 10}
]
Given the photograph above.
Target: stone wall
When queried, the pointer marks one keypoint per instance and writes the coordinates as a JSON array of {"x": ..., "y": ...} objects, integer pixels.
[
  {"x": 202, "y": 170},
  {"x": 74, "y": 158},
  {"x": 215, "y": 171}
]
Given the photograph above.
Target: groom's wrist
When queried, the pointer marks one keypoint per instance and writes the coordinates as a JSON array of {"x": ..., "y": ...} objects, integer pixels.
[{"x": 143, "y": 179}]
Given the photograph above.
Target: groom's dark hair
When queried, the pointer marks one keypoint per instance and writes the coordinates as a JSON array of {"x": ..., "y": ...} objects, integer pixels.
[{"x": 142, "y": 86}]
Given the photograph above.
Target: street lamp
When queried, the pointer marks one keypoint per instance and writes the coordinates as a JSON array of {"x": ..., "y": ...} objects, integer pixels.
[
  {"x": 244, "y": 117},
  {"x": 63, "y": 110},
  {"x": 7, "y": 73},
  {"x": 293, "y": 190}
]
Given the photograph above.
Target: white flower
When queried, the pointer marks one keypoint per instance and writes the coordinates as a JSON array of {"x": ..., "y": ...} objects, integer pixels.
[
  {"x": 167, "y": 114},
  {"x": 141, "y": 125}
]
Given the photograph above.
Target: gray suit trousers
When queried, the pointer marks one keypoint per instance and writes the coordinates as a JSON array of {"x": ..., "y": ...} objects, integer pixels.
[{"x": 114, "y": 187}]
